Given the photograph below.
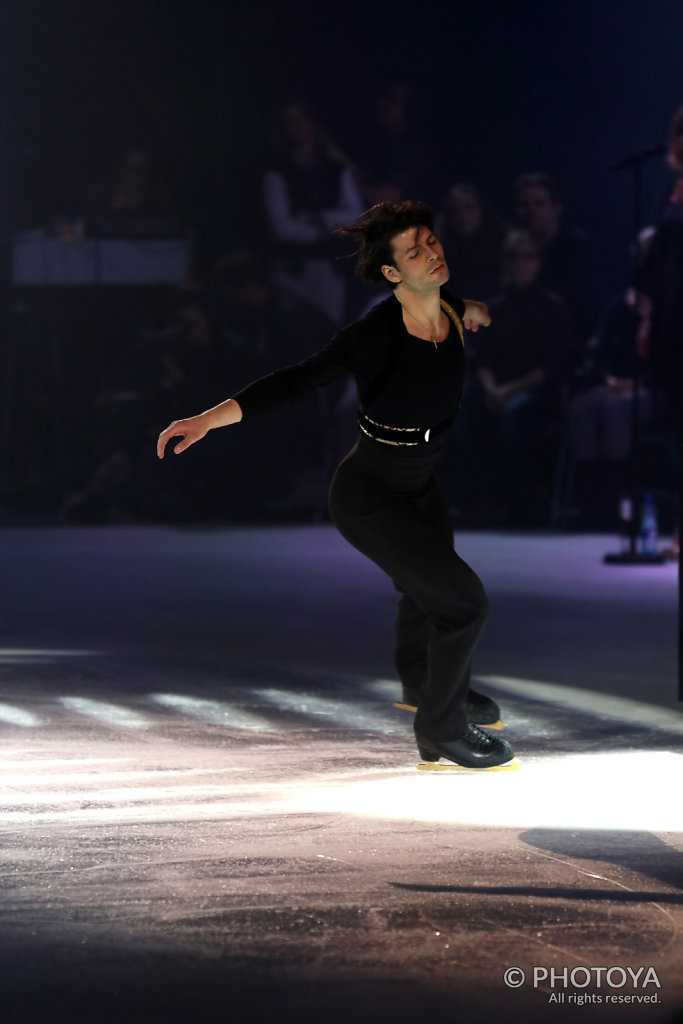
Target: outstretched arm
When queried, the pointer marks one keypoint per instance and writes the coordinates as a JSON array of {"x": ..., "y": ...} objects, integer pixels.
[
  {"x": 197, "y": 427},
  {"x": 276, "y": 389}
]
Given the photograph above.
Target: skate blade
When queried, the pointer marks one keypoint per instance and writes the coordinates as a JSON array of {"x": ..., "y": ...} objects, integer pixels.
[
  {"x": 458, "y": 769},
  {"x": 488, "y": 725}
]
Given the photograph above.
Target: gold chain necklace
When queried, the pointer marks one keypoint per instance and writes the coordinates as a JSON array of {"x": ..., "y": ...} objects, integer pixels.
[{"x": 432, "y": 337}]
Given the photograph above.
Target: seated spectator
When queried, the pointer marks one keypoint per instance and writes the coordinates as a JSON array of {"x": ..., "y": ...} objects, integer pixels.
[
  {"x": 601, "y": 415},
  {"x": 472, "y": 235},
  {"x": 133, "y": 201},
  {"x": 307, "y": 193},
  {"x": 184, "y": 361},
  {"x": 569, "y": 267},
  {"x": 521, "y": 367},
  {"x": 259, "y": 330},
  {"x": 210, "y": 341},
  {"x": 662, "y": 274},
  {"x": 661, "y": 281},
  {"x": 392, "y": 166},
  {"x": 261, "y": 333}
]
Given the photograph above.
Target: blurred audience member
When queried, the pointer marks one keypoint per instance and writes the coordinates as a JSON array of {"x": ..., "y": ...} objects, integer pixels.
[
  {"x": 258, "y": 329},
  {"x": 262, "y": 334},
  {"x": 521, "y": 365},
  {"x": 661, "y": 281},
  {"x": 569, "y": 267},
  {"x": 393, "y": 165},
  {"x": 133, "y": 201},
  {"x": 183, "y": 359},
  {"x": 307, "y": 193},
  {"x": 189, "y": 357},
  {"x": 241, "y": 299},
  {"x": 472, "y": 235},
  {"x": 601, "y": 415}
]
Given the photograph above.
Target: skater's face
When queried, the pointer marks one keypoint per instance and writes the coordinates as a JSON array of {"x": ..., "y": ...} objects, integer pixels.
[{"x": 419, "y": 263}]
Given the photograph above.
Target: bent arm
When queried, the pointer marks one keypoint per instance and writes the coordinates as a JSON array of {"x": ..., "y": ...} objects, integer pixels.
[
  {"x": 528, "y": 382},
  {"x": 498, "y": 394}
]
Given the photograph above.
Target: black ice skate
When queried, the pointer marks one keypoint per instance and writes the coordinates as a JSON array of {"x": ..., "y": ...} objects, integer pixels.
[{"x": 474, "y": 751}]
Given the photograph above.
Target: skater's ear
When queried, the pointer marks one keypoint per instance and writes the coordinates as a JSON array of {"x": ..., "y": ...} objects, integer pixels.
[{"x": 391, "y": 273}]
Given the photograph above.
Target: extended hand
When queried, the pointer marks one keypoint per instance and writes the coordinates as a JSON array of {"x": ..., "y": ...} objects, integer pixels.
[
  {"x": 190, "y": 430},
  {"x": 476, "y": 315}
]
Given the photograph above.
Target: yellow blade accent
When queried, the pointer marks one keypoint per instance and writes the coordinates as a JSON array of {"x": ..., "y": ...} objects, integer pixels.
[{"x": 436, "y": 766}]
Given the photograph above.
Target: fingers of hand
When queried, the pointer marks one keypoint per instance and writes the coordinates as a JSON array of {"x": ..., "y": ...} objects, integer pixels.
[
  {"x": 161, "y": 444},
  {"x": 182, "y": 445},
  {"x": 165, "y": 436}
]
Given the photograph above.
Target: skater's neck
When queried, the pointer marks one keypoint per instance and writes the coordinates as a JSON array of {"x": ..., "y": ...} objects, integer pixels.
[{"x": 423, "y": 307}]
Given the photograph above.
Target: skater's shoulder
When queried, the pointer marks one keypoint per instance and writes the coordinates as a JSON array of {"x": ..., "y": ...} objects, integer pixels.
[
  {"x": 375, "y": 319},
  {"x": 378, "y": 313}
]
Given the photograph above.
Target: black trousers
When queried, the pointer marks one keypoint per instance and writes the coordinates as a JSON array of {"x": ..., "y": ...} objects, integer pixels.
[{"x": 384, "y": 501}]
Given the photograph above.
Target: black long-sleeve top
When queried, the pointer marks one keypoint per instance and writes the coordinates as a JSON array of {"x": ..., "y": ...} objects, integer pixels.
[{"x": 402, "y": 380}]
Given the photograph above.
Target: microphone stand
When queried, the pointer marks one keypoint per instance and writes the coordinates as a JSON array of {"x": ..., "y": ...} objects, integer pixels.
[{"x": 633, "y": 557}]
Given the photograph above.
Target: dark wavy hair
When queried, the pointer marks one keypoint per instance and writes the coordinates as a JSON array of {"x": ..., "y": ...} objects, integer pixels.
[{"x": 375, "y": 230}]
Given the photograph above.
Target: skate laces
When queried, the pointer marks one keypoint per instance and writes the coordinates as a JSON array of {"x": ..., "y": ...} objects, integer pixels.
[{"x": 483, "y": 740}]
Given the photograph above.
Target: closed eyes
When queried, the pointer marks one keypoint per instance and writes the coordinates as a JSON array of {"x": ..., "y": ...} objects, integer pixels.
[{"x": 414, "y": 253}]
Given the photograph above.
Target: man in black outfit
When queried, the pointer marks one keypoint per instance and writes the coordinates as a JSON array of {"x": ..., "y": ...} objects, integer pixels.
[{"x": 407, "y": 358}]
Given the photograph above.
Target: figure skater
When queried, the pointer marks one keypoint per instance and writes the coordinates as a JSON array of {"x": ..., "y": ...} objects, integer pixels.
[{"x": 407, "y": 358}]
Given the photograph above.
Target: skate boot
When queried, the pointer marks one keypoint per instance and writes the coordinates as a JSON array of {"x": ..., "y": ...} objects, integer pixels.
[
  {"x": 474, "y": 750},
  {"x": 480, "y": 710}
]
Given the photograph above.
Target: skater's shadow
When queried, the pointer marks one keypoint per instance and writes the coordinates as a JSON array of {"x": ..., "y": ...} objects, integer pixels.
[{"x": 640, "y": 853}]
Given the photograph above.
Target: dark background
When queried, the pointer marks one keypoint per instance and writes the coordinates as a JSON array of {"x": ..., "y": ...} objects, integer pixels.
[
  {"x": 503, "y": 88},
  {"x": 499, "y": 88}
]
